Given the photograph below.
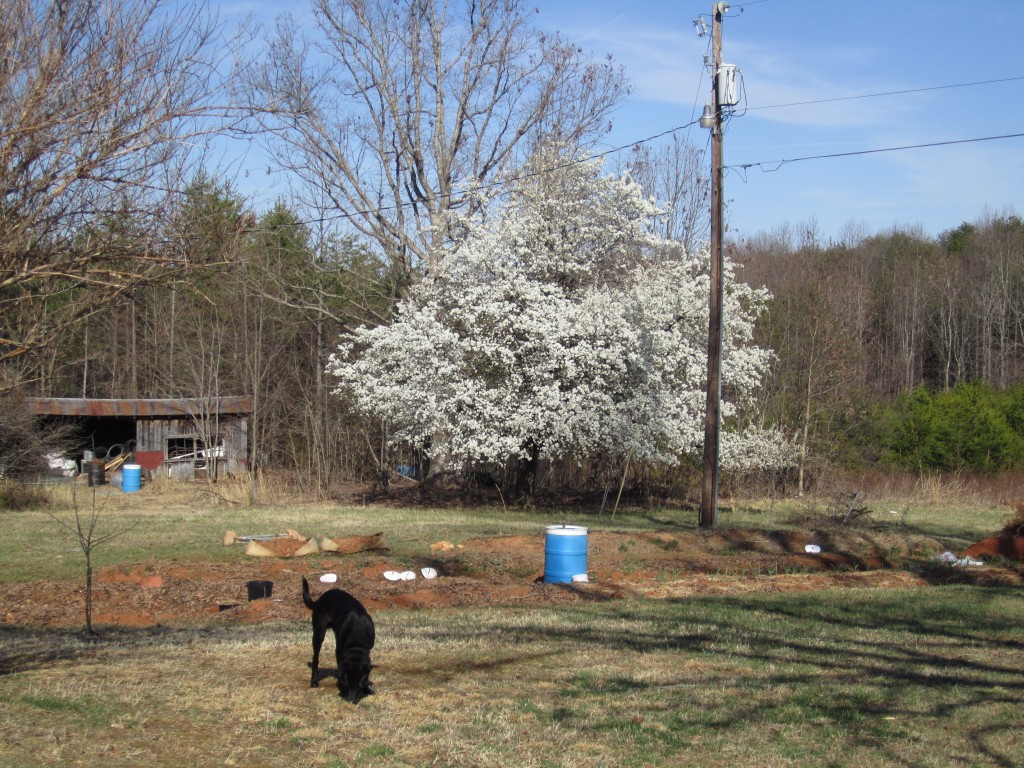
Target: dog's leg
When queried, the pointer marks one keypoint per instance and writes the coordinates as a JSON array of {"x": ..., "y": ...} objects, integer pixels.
[
  {"x": 342, "y": 686},
  {"x": 318, "y": 640}
]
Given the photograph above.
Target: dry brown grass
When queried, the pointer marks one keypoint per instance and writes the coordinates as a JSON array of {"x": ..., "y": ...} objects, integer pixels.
[
  {"x": 874, "y": 678},
  {"x": 1015, "y": 521}
]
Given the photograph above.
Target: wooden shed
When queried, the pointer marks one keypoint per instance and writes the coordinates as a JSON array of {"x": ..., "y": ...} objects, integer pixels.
[{"x": 181, "y": 438}]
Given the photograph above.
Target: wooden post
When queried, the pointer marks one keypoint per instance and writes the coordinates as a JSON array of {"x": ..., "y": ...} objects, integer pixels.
[{"x": 712, "y": 417}]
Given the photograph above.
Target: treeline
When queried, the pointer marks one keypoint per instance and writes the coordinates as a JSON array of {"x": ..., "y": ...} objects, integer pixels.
[
  {"x": 127, "y": 271},
  {"x": 893, "y": 349},
  {"x": 258, "y": 310},
  {"x": 877, "y": 332}
]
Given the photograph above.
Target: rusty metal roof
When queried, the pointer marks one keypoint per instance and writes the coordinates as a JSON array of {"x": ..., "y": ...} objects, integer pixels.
[{"x": 172, "y": 407}]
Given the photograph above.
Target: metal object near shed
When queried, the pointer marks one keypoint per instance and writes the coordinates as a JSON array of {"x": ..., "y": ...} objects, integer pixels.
[{"x": 184, "y": 438}]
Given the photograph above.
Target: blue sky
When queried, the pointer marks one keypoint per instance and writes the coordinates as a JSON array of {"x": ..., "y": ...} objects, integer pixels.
[{"x": 796, "y": 51}]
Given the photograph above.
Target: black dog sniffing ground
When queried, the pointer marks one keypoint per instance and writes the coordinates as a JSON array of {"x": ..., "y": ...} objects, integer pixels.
[{"x": 354, "y": 635}]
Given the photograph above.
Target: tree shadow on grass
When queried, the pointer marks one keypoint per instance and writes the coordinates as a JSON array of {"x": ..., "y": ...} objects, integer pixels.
[
  {"x": 872, "y": 670},
  {"x": 23, "y": 649}
]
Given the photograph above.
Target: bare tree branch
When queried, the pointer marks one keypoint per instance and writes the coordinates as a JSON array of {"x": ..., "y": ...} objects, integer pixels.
[
  {"x": 395, "y": 111},
  {"x": 102, "y": 103}
]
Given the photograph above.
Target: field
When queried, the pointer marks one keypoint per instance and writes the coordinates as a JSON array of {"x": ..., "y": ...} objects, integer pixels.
[{"x": 731, "y": 648}]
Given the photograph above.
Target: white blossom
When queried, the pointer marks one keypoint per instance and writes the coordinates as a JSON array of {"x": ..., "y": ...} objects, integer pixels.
[{"x": 556, "y": 325}]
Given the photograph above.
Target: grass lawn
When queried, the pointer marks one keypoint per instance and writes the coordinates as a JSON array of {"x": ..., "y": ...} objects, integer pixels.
[
  {"x": 171, "y": 524},
  {"x": 912, "y": 677},
  {"x": 922, "y": 677}
]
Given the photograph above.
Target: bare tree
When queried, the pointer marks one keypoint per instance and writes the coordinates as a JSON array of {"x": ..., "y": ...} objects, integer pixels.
[
  {"x": 83, "y": 526},
  {"x": 1000, "y": 247},
  {"x": 675, "y": 176},
  {"x": 396, "y": 111},
  {"x": 101, "y": 105}
]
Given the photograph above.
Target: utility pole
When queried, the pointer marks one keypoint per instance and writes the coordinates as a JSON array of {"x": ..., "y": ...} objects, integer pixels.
[{"x": 712, "y": 417}]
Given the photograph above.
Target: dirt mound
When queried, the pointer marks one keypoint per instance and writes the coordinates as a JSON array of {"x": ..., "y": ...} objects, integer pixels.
[
  {"x": 280, "y": 547},
  {"x": 517, "y": 544},
  {"x": 501, "y": 570},
  {"x": 1008, "y": 547}
]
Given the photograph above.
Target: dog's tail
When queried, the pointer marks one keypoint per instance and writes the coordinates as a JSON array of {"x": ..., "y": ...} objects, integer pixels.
[{"x": 307, "y": 598}]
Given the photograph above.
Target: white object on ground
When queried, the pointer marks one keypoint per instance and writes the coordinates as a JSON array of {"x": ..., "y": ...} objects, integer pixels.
[
  {"x": 428, "y": 573},
  {"x": 812, "y": 549},
  {"x": 392, "y": 575},
  {"x": 329, "y": 578},
  {"x": 407, "y": 575},
  {"x": 580, "y": 578},
  {"x": 951, "y": 559}
]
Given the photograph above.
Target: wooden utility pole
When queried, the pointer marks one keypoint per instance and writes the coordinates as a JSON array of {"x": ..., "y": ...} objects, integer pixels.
[{"x": 712, "y": 417}]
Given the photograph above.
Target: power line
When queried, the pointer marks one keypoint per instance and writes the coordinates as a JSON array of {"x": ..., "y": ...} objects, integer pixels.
[
  {"x": 733, "y": 167},
  {"x": 890, "y": 93},
  {"x": 700, "y": 85},
  {"x": 779, "y": 163},
  {"x": 491, "y": 185},
  {"x": 744, "y": 166},
  {"x": 365, "y": 212},
  {"x": 738, "y": 166},
  {"x": 727, "y": 11}
]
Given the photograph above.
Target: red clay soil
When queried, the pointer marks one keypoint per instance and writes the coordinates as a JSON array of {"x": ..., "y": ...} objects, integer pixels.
[
  {"x": 1006, "y": 547},
  {"x": 283, "y": 547},
  {"x": 505, "y": 571}
]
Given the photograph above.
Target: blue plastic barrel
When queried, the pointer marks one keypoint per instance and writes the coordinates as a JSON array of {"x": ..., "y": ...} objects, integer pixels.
[
  {"x": 131, "y": 477},
  {"x": 565, "y": 553}
]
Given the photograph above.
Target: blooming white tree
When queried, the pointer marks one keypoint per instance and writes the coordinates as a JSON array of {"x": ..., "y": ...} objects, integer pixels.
[{"x": 558, "y": 328}]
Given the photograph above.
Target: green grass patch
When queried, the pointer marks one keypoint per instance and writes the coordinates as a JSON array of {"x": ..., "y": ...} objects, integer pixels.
[
  {"x": 191, "y": 527},
  {"x": 78, "y": 710}
]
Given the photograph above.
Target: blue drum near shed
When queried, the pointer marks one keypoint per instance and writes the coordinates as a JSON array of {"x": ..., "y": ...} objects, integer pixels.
[
  {"x": 131, "y": 477},
  {"x": 565, "y": 554}
]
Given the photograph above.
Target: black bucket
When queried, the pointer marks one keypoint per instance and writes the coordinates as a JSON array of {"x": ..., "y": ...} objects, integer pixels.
[
  {"x": 97, "y": 473},
  {"x": 259, "y": 589}
]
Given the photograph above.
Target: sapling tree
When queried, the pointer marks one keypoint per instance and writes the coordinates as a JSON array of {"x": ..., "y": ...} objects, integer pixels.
[
  {"x": 84, "y": 528},
  {"x": 560, "y": 328}
]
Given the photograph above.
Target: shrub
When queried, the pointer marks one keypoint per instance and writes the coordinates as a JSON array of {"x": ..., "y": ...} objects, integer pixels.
[
  {"x": 17, "y": 496},
  {"x": 971, "y": 427}
]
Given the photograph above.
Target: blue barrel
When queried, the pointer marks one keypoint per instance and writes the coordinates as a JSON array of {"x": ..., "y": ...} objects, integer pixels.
[
  {"x": 131, "y": 477},
  {"x": 565, "y": 554}
]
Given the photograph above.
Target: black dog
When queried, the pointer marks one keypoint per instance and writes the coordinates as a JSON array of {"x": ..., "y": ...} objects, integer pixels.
[{"x": 354, "y": 636}]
